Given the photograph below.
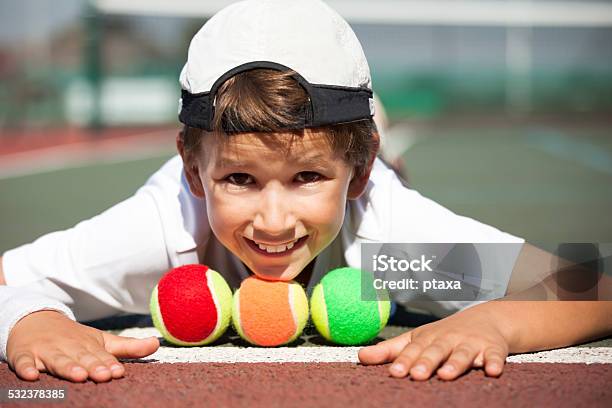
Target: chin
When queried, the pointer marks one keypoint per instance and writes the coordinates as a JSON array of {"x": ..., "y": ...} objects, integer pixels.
[{"x": 276, "y": 275}]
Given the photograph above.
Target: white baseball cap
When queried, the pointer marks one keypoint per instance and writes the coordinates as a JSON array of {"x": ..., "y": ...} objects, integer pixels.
[{"x": 305, "y": 36}]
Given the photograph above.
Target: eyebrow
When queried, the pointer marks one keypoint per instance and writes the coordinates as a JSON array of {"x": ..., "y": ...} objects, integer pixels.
[{"x": 312, "y": 160}]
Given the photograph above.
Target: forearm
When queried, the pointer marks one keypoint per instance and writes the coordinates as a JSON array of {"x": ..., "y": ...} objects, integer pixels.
[{"x": 540, "y": 325}]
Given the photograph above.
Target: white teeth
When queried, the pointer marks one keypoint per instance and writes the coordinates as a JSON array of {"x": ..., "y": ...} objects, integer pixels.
[{"x": 274, "y": 249}]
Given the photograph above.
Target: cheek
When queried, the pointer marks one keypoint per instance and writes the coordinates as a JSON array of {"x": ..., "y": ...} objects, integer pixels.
[
  {"x": 224, "y": 223},
  {"x": 325, "y": 210},
  {"x": 225, "y": 214}
]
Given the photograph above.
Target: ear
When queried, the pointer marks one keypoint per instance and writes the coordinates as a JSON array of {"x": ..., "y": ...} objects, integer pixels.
[
  {"x": 359, "y": 183},
  {"x": 191, "y": 168}
]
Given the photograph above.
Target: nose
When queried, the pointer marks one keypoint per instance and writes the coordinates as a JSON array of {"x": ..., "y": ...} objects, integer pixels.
[{"x": 274, "y": 218}]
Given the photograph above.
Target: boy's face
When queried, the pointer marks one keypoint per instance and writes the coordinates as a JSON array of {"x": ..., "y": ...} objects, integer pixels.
[{"x": 275, "y": 201}]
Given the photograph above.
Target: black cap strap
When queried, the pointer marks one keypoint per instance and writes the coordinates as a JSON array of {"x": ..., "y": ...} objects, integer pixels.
[{"x": 329, "y": 104}]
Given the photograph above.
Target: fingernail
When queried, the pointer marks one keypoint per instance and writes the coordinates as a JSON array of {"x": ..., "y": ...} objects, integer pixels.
[
  {"x": 419, "y": 368},
  {"x": 447, "y": 367},
  {"x": 397, "y": 368}
]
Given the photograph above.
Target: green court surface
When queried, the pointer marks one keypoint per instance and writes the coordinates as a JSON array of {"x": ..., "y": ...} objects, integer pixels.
[
  {"x": 36, "y": 204},
  {"x": 543, "y": 183}
]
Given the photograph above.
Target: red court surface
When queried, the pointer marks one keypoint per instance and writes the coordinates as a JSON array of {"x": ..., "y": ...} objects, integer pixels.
[
  {"x": 24, "y": 153},
  {"x": 327, "y": 385},
  {"x": 18, "y": 141}
]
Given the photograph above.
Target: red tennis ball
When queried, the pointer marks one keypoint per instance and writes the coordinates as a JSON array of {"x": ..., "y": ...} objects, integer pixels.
[{"x": 191, "y": 305}]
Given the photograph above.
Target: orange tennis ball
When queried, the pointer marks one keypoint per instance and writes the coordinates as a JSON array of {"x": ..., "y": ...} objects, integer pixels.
[{"x": 269, "y": 313}]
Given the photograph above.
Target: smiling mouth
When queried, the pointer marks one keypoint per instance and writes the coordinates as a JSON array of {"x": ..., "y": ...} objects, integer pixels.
[{"x": 277, "y": 250}]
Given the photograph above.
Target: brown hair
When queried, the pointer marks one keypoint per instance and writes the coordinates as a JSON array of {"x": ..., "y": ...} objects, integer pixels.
[{"x": 271, "y": 101}]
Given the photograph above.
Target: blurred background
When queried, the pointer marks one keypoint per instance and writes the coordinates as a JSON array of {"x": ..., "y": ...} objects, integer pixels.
[{"x": 500, "y": 110}]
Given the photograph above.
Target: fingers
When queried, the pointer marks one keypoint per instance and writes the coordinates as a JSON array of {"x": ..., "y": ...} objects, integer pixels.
[
  {"x": 404, "y": 360},
  {"x": 429, "y": 360},
  {"x": 494, "y": 360},
  {"x": 55, "y": 362},
  {"x": 98, "y": 364},
  {"x": 116, "y": 368},
  {"x": 78, "y": 361},
  {"x": 461, "y": 359},
  {"x": 479, "y": 360},
  {"x": 25, "y": 366},
  {"x": 420, "y": 360},
  {"x": 48, "y": 341},
  {"x": 385, "y": 351},
  {"x": 61, "y": 365},
  {"x": 128, "y": 347},
  {"x": 75, "y": 365}
]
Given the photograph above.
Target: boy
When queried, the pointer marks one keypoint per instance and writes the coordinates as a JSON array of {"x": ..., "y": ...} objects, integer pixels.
[{"x": 277, "y": 176}]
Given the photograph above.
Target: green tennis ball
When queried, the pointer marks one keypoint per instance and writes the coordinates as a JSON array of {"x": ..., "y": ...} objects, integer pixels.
[
  {"x": 191, "y": 305},
  {"x": 339, "y": 313}
]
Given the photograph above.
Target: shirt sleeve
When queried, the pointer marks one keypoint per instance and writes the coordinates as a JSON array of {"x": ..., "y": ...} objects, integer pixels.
[
  {"x": 409, "y": 217},
  {"x": 17, "y": 303},
  {"x": 99, "y": 268}
]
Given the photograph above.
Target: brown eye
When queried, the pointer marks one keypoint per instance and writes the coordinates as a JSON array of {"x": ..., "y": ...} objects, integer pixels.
[
  {"x": 308, "y": 177},
  {"x": 239, "y": 179}
]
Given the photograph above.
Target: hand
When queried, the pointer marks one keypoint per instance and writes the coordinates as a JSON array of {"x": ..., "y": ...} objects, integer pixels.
[
  {"x": 49, "y": 341},
  {"x": 471, "y": 338}
]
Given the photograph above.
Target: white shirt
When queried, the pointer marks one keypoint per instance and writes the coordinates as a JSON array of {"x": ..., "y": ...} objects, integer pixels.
[{"x": 109, "y": 264}]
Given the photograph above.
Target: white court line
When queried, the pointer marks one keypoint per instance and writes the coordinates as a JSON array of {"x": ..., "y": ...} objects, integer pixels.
[
  {"x": 572, "y": 149},
  {"x": 582, "y": 355},
  {"x": 82, "y": 154},
  {"x": 256, "y": 355},
  {"x": 325, "y": 354}
]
